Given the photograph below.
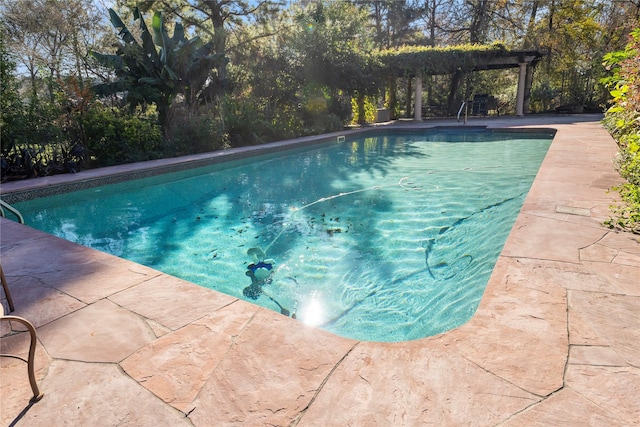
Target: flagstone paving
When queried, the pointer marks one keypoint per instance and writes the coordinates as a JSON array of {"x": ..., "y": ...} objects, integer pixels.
[{"x": 555, "y": 340}]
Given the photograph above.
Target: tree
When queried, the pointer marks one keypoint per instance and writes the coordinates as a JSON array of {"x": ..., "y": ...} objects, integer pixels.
[
  {"x": 335, "y": 50},
  {"x": 11, "y": 108},
  {"x": 52, "y": 48},
  {"x": 158, "y": 68},
  {"x": 218, "y": 22},
  {"x": 434, "y": 15},
  {"x": 392, "y": 21}
]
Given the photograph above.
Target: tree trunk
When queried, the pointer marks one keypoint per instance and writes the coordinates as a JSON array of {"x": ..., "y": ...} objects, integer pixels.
[
  {"x": 453, "y": 90},
  {"x": 362, "y": 119},
  {"x": 432, "y": 24},
  {"x": 528, "y": 37},
  {"x": 392, "y": 100},
  {"x": 219, "y": 41},
  {"x": 479, "y": 21}
]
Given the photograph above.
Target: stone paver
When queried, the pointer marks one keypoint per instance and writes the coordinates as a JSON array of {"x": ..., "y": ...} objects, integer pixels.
[
  {"x": 620, "y": 331},
  {"x": 554, "y": 341},
  {"x": 407, "y": 385},
  {"x": 100, "y": 332},
  {"x": 15, "y": 390},
  {"x": 595, "y": 355},
  {"x": 271, "y": 375},
  {"x": 39, "y": 303},
  {"x": 544, "y": 238},
  {"x": 98, "y": 394},
  {"x": 176, "y": 366},
  {"x": 521, "y": 322},
  {"x": 565, "y": 408},
  {"x": 176, "y": 303},
  {"x": 69, "y": 267},
  {"x": 614, "y": 389}
]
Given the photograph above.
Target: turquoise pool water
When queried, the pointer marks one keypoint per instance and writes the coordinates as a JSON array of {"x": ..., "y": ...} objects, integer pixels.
[{"x": 381, "y": 238}]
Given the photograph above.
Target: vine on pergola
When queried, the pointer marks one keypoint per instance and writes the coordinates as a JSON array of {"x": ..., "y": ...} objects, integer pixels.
[{"x": 440, "y": 60}]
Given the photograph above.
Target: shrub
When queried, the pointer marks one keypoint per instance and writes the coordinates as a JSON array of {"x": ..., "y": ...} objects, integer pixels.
[
  {"x": 115, "y": 138},
  {"x": 364, "y": 109},
  {"x": 623, "y": 122},
  {"x": 243, "y": 122},
  {"x": 34, "y": 143},
  {"x": 286, "y": 123},
  {"x": 191, "y": 132}
]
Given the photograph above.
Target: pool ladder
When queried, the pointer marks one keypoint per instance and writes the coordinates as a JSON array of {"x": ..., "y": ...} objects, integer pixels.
[{"x": 4, "y": 205}]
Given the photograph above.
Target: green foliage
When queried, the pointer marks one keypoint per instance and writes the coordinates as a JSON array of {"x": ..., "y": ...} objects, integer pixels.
[
  {"x": 50, "y": 135},
  {"x": 300, "y": 82},
  {"x": 287, "y": 123},
  {"x": 247, "y": 123},
  {"x": 363, "y": 109},
  {"x": 573, "y": 35},
  {"x": 292, "y": 75},
  {"x": 66, "y": 131},
  {"x": 243, "y": 122},
  {"x": 626, "y": 216},
  {"x": 576, "y": 34},
  {"x": 193, "y": 132},
  {"x": 319, "y": 111},
  {"x": 116, "y": 138},
  {"x": 623, "y": 121},
  {"x": 333, "y": 46},
  {"x": 323, "y": 122},
  {"x": 41, "y": 146}
]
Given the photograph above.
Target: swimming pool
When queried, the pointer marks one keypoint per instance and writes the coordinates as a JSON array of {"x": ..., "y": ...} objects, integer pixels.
[{"x": 389, "y": 237}]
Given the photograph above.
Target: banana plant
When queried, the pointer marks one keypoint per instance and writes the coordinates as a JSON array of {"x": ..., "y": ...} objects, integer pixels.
[{"x": 157, "y": 68}]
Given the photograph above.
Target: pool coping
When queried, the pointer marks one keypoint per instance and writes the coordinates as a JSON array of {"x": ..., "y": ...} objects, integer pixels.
[{"x": 543, "y": 348}]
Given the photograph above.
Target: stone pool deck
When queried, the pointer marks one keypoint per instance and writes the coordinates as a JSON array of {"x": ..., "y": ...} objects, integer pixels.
[{"x": 555, "y": 340}]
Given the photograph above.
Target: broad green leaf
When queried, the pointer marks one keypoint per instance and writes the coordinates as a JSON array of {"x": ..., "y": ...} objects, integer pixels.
[
  {"x": 156, "y": 24},
  {"x": 147, "y": 42},
  {"x": 178, "y": 34},
  {"x": 123, "y": 31},
  {"x": 620, "y": 91}
]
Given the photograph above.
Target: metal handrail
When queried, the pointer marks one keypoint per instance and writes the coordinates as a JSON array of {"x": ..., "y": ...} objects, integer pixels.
[
  {"x": 463, "y": 105},
  {"x": 4, "y": 205}
]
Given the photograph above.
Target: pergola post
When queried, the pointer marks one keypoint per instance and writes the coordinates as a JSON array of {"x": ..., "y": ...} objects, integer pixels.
[
  {"x": 527, "y": 89},
  {"x": 418, "y": 97},
  {"x": 522, "y": 79},
  {"x": 408, "y": 102}
]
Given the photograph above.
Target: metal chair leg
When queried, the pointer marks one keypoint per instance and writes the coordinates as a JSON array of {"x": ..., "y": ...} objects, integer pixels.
[
  {"x": 6, "y": 290},
  {"x": 37, "y": 394}
]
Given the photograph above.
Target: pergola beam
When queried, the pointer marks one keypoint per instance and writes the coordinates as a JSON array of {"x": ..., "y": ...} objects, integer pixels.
[{"x": 417, "y": 62}]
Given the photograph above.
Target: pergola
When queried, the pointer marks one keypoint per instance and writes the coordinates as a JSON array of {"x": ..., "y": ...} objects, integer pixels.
[{"x": 417, "y": 62}]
